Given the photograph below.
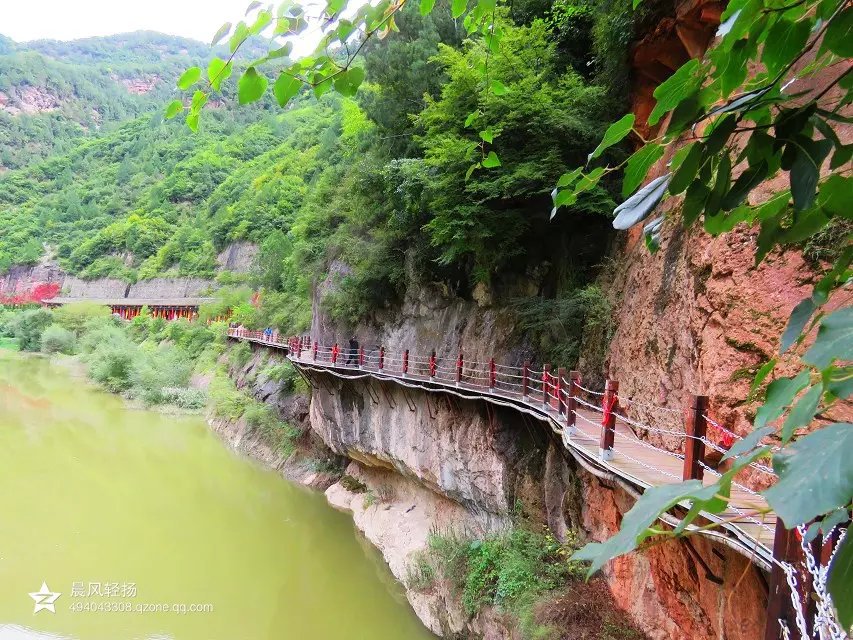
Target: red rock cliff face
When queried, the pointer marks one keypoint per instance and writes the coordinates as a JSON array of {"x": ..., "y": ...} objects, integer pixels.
[{"x": 666, "y": 589}]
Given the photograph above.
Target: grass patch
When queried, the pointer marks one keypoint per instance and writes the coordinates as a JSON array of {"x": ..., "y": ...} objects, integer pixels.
[
  {"x": 511, "y": 570},
  {"x": 262, "y": 418},
  {"x": 10, "y": 344}
]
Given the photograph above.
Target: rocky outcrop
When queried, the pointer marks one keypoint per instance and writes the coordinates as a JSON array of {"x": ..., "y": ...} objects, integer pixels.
[
  {"x": 28, "y": 100},
  {"x": 236, "y": 257}
]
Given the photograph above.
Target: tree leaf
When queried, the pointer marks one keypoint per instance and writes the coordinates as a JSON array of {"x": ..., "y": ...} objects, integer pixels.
[
  {"x": 285, "y": 88},
  {"x": 687, "y": 170},
  {"x": 261, "y": 22},
  {"x": 198, "y": 101},
  {"x": 498, "y": 88},
  {"x": 815, "y": 475},
  {"x": 745, "y": 183},
  {"x": 487, "y": 135},
  {"x": 839, "y": 35},
  {"x": 491, "y": 160},
  {"x": 241, "y": 32},
  {"x": 785, "y": 40},
  {"x": 780, "y": 393},
  {"x": 635, "y": 524},
  {"x": 426, "y": 6},
  {"x": 834, "y": 340},
  {"x": 674, "y": 89},
  {"x": 799, "y": 317},
  {"x": 457, "y": 8},
  {"x": 347, "y": 82},
  {"x": 173, "y": 109},
  {"x": 218, "y": 72},
  {"x": 805, "y": 170},
  {"x": 189, "y": 78},
  {"x": 192, "y": 121},
  {"x": 220, "y": 33},
  {"x": 472, "y": 169},
  {"x": 569, "y": 177},
  {"x": 802, "y": 413},
  {"x": 748, "y": 443},
  {"x": 638, "y": 207},
  {"x": 251, "y": 86},
  {"x": 615, "y": 133},
  {"x": 762, "y": 374},
  {"x": 252, "y": 6},
  {"x": 840, "y": 581},
  {"x": 639, "y": 164}
]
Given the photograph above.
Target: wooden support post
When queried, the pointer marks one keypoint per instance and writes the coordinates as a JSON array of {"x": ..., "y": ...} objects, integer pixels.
[
  {"x": 493, "y": 374},
  {"x": 571, "y": 402},
  {"x": 432, "y": 364},
  {"x": 459, "y": 363},
  {"x": 525, "y": 379},
  {"x": 546, "y": 385},
  {"x": 405, "y": 362},
  {"x": 561, "y": 374},
  {"x": 315, "y": 350},
  {"x": 381, "y": 358},
  {"x": 786, "y": 548},
  {"x": 360, "y": 357},
  {"x": 695, "y": 427},
  {"x": 608, "y": 422}
]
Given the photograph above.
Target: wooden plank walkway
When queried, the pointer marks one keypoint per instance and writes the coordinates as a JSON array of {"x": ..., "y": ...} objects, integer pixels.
[{"x": 634, "y": 460}]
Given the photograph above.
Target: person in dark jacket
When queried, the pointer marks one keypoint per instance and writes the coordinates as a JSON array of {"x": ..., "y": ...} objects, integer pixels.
[{"x": 353, "y": 351}]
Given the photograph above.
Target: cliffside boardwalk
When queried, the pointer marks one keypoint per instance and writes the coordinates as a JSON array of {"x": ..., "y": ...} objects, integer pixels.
[{"x": 595, "y": 429}]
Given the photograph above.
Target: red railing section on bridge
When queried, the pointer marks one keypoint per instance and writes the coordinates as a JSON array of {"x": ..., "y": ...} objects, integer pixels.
[{"x": 561, "y": 394}]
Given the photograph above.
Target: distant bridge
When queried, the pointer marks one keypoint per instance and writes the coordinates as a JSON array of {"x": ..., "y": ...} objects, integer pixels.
[{"x": 129, "y": 308}]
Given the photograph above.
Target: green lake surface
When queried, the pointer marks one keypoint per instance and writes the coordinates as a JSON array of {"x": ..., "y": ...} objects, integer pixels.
[{"x": 136, "y": 518}]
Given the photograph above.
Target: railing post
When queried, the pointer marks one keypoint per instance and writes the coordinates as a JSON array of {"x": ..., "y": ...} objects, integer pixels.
[
  {"x": 546, "y": 385},
  {"x": 381, "y": 358},
  {"x": 459, "y": 362},
  {"x": 608, "y": 422},
  {"x": 405, "y": 362},
  {"x": 360, "y": 357},
  {"x": 432, "y": 364},
  {"x": 561, "y": 373},
  {"x": 315, "y": 351},
  {"x": 493, "y": 374},
  {"x": 786, "y": 548},
  {"x": 695, "y": 427},
  {"x": 299, "y": 349},
  {"x": 525, "y": 379},
  {"x": 571, "y": 402}
]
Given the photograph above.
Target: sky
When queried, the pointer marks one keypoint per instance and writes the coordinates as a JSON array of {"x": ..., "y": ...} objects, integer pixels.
[{"x": 71, "y": 19}]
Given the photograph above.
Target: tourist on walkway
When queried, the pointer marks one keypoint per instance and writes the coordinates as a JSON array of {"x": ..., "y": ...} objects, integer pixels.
[{"x": 353, "y": 351}]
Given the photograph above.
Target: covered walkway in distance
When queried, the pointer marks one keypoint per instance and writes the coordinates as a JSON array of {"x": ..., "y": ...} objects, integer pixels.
[{"x": 129, "y": 308}]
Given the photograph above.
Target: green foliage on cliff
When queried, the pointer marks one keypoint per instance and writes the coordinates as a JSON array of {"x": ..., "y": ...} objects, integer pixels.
[{"x": 512, "y": 570}]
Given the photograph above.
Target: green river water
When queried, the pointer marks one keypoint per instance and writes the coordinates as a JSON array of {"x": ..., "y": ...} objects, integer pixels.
[{"x": 136, "y": 518}]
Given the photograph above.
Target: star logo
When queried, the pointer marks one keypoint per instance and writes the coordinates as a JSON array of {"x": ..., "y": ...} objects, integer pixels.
[{"x": 44, "y": 599}]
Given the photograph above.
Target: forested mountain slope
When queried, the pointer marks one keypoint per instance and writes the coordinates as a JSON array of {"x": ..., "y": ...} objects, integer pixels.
[{"x": 53, "y": 93}]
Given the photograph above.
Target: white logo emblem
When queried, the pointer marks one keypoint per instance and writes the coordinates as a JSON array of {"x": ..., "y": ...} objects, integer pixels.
[{"x": 44, "y": 599}]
